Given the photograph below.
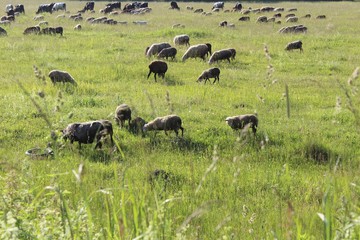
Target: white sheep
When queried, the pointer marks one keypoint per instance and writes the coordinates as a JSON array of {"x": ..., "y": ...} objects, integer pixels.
[
  {"x": 166, "y": 123},
  {"x": 199, "y": 50},
  {"x": 155, "y": 48},
  {"x": 183, "y": 39},
  {"x": 61, "y": 76},
  {"x": 240, "y": 121}
]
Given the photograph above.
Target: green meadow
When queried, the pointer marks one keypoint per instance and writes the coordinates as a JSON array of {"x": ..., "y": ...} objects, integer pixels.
[{"x": 298, "y": 178}]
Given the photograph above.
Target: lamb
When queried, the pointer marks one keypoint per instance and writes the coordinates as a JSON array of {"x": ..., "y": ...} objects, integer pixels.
[
  {"x": 183, "y": 39},
  {"x": 87, "y": 132},
  {"x": 166, "y": 123},
  {"x": 221, "y": 55},
  {"x": 240, "y": 121},
  {"x": 136, "y": 125},
  {"x": 209, "y": 73},
  {"x": 294, "y": 45},
  {"x": 61, "y": 76},
  {"x": 157, "y": 67},
  {"x": 167, "y": 52},
  {"x": 156, "y": 48},
  {"x": 122, "y": 113},
  {"x": 195, "y": 51}
]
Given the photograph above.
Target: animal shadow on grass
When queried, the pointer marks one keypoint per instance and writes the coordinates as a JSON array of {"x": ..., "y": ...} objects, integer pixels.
[
  {"x": 164, "y": 182},
  {"x": 317, "y": 152}
]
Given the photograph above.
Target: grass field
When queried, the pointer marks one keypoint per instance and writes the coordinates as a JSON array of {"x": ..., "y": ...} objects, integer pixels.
[{"x": 297, "y": 179}]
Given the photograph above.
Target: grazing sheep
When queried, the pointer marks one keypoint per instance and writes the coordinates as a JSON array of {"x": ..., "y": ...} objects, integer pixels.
[
  {"x": 32, "y": 30},
  {"x": 167, "y": 52},
  {"x": 239, "y": 122},
  {"x": 178, "y": 25},
  {"x": 218, "y": 5},
  {"x": 223, "y": 24},
  {"x": 77, "y": 27},
  {"x": 279, "y": 9},
  {"x": 261, "y": 19},
  {"x": 321, "y": 17},
  {"x": 294, "y": 45},
  {"x": 189, "y": 8},
  {"x": 166, "y": 123},
  {"x": 277, "y": 15},
  {"x": 195, "y": 51},
  {"x": 136, "y": 125},
  {"x": 293, "y": 29},
  {"x": 290, "y": 15},
  {"x": 209, "y": 73},
  {"x": 199, "y": 10},
  {"x": 183, "y": 39},
  {"x": 307, "y": 16},
  {"x": 87, "y": 132},
  {"x": 244, "y": 19},
  {"x": 155, "y": 48},
  {"x": 221, "y": 55},
  {"x": 122, "y": 113},
  {"x": 2, "y": 32},
  {"x": 292, "y": 19},
  {"x": 292, "y": 10},
  {"x": 61, "y": 76},
  {"x": 157, "y": 67}
]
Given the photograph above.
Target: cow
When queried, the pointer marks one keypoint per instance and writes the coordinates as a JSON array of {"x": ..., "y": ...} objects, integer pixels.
[
  {"x": 19, "y": 8},
  {"x": 60, "y": 6},
  {"x": 45, "y": 8},
  {"x": 89, "y": 6},
  {"x": 87, "y": 132}
]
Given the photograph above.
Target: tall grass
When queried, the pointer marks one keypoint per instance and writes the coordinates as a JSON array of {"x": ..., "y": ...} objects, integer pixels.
[{"x": 296, "y": 179}]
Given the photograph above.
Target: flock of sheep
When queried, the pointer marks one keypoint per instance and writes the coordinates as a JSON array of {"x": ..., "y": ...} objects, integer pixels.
[{"x": 88, "y": 132}]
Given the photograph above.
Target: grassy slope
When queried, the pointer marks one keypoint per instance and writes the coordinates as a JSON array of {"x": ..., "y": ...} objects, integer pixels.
[{"x": 251, "y": 192}]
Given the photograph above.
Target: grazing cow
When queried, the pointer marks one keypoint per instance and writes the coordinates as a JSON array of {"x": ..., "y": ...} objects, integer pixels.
[
  {"x": 45, "y": 8},
  {"x": 174, "y": 5},
  {"x": 61, "y": 6},
  {"x": 19, "y": 8},
  {"x": 87, "y": 132},
  {"x": 89, "y": 6}
]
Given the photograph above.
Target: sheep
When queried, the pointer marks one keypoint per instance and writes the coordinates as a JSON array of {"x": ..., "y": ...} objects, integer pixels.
[
  {"x": 30, "y": 30},
  {"x": 87, "y": 132},
  {"x": 244, "y": 19},
  {"x": 167, "y": 52},
  {"x": 61, "y": 76},
  {"x": 183, "y": 39},
  {"x": 221, "y": 55},
  {"x": 174, "y": 5},
  {"x": 156, "y": 48},
  {"x": 157, "y": 67},
  {"x": 290, "y": 15},
  {"x": 178, "y": 25},
  {"x": 136, "y": 125},
  {"x": 292, "y": 19},
  {"x": 2, "y": 32},
  {"x": 261, "y": 19},
  {"x": 223, "y": 24},
  {"x": 209, "y": 73},
  {"x": 294, "y": 45},
  {"x": 195, "y": 51},
  {"x": 166, "y": 123},
  {"x": 240, "y": 121},
  {"x": 293, "y": 29},
  {"x": 122, "y": 113},
  {"x": 77, "y": 27},
  {"x": 198, "y": 10},
  {"x": 321, "y": 17}
]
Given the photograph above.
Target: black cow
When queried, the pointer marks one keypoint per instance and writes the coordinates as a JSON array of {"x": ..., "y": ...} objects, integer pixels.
[
  {"x": 174, "y": 5},
  {"x": 87, "y": 132},
  {"x": 19, "y": 8},
  {"x": 89, "y": 6},
  {"x": 45, "y": 8}
]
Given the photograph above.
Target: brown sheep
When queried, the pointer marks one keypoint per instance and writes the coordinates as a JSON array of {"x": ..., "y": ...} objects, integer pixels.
[
  {"x": 166, "y": 123},
  {"x": 209, "y": 73},
  {"x": 61, "y": 76},
  {"x": 294, "y": 45},
  {"x": 122, "y": 113},
  {"x": 157, "y": 67},
  {"x": 239, "y": 122}
]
